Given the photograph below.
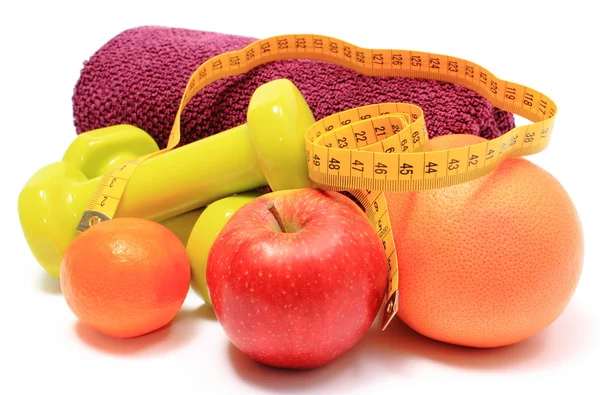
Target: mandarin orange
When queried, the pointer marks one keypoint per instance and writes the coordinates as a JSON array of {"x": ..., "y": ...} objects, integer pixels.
[{"x": 125, "y": 277}]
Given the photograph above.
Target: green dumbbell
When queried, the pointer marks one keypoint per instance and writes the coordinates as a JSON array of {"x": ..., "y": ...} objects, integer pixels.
[
  {"x": 268, "y": 150},
  {"x": 204, "y": 233}
]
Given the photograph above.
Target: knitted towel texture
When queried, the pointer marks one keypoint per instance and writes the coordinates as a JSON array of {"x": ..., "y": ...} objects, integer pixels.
[{"x": 138, "y": 78}]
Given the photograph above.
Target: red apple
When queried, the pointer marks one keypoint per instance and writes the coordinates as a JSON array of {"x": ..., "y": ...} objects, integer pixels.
[{"x": 297, "y": 277}]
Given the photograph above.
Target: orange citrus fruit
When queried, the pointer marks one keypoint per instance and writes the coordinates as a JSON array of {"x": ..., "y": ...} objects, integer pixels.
[
  {"x": 125, "y": 277},
  {"x": 489, "y": 262}
]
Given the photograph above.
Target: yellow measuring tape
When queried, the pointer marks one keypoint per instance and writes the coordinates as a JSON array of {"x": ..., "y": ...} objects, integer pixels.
[{"x": 369, "y": 149}]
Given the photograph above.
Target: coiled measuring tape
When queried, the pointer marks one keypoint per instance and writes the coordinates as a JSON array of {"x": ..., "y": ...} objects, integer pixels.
[{"x": 370, "y": 149}]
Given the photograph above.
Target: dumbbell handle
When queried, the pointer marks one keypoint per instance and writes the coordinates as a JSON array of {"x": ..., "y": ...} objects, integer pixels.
[{"x": 192, "y": 176}]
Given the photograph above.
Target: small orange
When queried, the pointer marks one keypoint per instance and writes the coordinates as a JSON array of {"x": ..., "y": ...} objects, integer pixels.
[
  {"x": 489, "y": 262},
  {"x": 125, "y": 277}
]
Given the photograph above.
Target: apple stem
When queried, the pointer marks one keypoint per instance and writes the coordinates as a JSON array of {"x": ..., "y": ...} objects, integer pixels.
[{"x": 277, "y": 216}]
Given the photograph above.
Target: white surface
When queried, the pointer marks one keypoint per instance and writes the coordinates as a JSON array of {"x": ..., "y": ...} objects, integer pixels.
[{"x": 44, "y": 350}]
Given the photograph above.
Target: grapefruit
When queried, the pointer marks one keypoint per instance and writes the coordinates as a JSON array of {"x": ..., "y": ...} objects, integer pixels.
[
  {"x": 125, "y": 277},
  {"x": 489, "y": 262}
]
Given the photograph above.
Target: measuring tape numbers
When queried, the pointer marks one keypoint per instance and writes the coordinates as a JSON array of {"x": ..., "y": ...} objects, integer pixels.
[{"x": 370, "y": 149}]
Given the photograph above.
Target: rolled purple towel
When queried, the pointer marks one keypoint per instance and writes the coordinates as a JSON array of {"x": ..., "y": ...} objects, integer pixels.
[{"x": 138, "y": 77}]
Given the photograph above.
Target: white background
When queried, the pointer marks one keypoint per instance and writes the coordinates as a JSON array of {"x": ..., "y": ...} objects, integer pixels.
[{"x": 44, "y": 350}]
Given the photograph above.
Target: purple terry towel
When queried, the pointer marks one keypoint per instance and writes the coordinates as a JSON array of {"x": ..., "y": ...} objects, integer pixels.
[{"x": 138, "y": 77}]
